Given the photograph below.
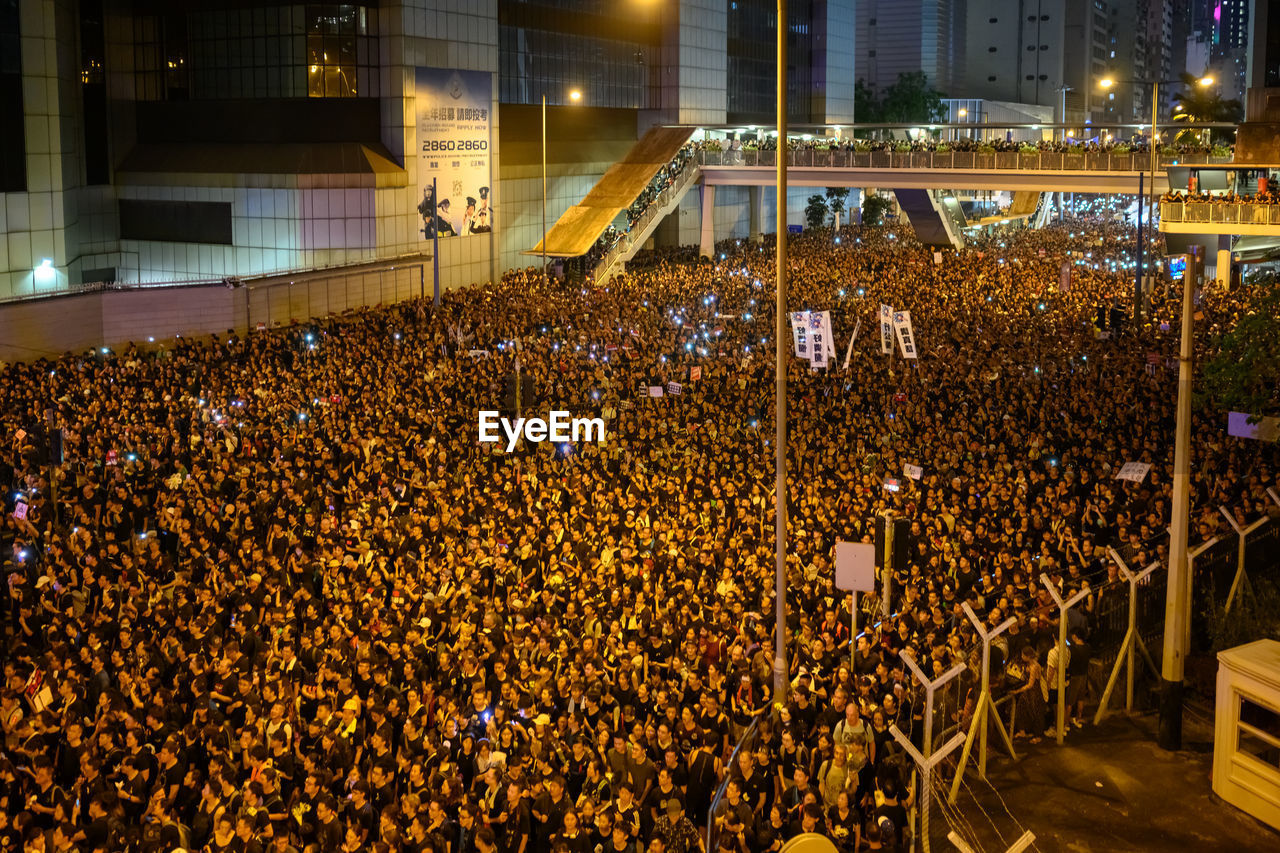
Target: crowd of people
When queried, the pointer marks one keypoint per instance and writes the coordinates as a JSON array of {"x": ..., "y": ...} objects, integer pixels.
[
  {"x": 1070, "y": 145},
  {"x": 1265, "y": 194},
  {"x": 278, "y": 596}
]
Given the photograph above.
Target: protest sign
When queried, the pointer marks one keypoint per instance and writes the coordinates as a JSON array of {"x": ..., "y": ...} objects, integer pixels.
[
  {"x": 906, "y": 337},
  {"x": 886, "y": 329},
  {"x": 674, "y": 388},
  {"x": 1134, "y": 472}
]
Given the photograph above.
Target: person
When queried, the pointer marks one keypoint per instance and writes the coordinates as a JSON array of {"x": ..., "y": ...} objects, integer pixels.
[
  {"x": 300, "y": 562},
  {"x": 1029, "y": 698},
  {"x": 890, "y": 816},
  {"x": 677, "y": 832},
  {"x": 1078, "y": 676}
]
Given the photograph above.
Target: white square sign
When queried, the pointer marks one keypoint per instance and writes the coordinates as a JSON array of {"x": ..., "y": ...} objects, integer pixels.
[{"x": 855, "y": 566}]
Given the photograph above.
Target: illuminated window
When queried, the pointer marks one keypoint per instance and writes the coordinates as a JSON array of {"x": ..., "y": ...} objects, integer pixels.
[{"x": 337, "y": 36}]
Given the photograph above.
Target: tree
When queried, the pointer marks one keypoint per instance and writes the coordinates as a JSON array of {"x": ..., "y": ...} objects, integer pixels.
[
  {"x": 866, "y": 107},
  {"x": 1197, "y": 103},
  {"x": 837, "y": 202},
  {"x": 874, "y": 208},
  {"x": 910, "y": 100},
  {"x": 815, "y": 212},
  {"x": 1244, "y": 373}
]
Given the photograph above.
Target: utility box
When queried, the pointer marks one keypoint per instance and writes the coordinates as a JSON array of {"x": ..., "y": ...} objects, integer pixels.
[{"x": 1246, "y": 743}]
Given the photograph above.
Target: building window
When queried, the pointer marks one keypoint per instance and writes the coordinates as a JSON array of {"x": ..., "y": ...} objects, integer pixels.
[
  {"x": 993, "y": 20},
  {"x": 871, "y": 53},
  {"x": 991, "y": 79},
  {"x": 13, "y": 145},
  {"x": 337, "y": 48},
  {"x": 991, "y": 50},
  {"x": 93, "y": 91}
]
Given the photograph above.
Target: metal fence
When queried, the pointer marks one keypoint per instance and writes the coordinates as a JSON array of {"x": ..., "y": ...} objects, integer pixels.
[
  {"x": 1223, "y": 212},
  {"x": 1058, "y": 161}
]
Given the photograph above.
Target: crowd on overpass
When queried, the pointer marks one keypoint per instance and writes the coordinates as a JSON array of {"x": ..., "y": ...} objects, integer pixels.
[
  {"x": 284, "y": 599},
  {"x": 1266, "y": 194},
  {"x": 1134, "y": 144}
]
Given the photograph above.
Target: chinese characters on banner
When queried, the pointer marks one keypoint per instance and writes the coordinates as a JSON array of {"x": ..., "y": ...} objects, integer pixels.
[
  {"x": 817, "y": 341},
  {"x": 814, "y": 340},
  {"x": 906, "y": 338},
  {"x": 453, "y": 116},
  {"x": 800, "y": 333},
  {"x": 886, "y": 330}
]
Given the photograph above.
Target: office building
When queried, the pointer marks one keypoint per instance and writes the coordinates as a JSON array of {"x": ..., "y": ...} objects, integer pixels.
[
  {"x": 901, "y": 36},
  {"x": 197, "y": 140}
]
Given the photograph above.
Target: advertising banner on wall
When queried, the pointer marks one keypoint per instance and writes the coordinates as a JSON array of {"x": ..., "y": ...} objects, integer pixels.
[{"x": 453, "y": 150}]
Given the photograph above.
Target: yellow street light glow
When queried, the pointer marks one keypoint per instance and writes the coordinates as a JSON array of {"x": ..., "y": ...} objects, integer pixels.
[
  {"x": 1205, "y": 81},
  {"x": 1106, "y": 82},
  {"x": 963, "y": 112},
  {"x": 575, "y": 95}
]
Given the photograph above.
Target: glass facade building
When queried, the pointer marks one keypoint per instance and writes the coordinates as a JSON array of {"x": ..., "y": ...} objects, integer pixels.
[{"x": 175, "y": 140}]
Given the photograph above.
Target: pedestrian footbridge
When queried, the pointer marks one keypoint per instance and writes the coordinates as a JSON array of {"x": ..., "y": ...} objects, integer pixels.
[{"x": 922, "y": 181}]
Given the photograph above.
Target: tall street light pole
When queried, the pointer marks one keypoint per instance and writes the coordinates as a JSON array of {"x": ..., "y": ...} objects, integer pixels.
[
  {"x": 780, "y": 401},
  {"x": 1107, "y": 83},
  {"x": 574, "y": 96},
  {"x": 1177, "y": 603}
]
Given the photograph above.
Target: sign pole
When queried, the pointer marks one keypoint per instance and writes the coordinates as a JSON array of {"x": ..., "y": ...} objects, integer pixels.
[{"x": 435, "y": 245}]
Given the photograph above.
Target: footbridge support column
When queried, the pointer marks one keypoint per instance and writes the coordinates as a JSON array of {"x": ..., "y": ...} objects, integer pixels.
[
  {"x": 756, "y": 202},
  {"x": 707, "y": 244}
]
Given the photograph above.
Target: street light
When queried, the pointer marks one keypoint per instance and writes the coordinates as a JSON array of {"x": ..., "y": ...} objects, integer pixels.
[
  {"x": 1177, "y": 599},
  {"x": 574, "y": 96},
  {"x": 1108, "y": 83}
]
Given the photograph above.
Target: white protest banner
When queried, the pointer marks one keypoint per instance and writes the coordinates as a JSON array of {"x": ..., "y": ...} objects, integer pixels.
[
  {"x": 906, "y": 337},
  {"x": 674, "y": 388},
  {"x": 1134, "y": 472},
  {"x": 800, "y": 333},
  {"x": 848, "y": 353},
  {"x": 915, "y": 472},
  {"x": 829, "y": 333},
  {"x": 818, "y": 342},
  {"x": 886, "y": 329},
  {"x": 937, "y": 258},
  {"x": 1266, "y": 429},
  {"x": 477, "y": 353},
  {"x": 655, "y": 390}
]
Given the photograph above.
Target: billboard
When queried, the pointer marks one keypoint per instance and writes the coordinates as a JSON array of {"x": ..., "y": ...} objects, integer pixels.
[{"x": 453, "y": 120}]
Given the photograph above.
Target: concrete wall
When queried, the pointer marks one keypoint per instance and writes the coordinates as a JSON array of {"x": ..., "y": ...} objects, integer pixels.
[{"x": 49, "y": 327}]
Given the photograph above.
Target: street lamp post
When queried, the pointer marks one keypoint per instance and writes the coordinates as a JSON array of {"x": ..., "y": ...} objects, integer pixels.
[
  {"x": 574, "y": 96},
  {"x": 1177, "y": 605},
  {"x": 780, "y": 336},
  {"x": 1107, "y": 83}
]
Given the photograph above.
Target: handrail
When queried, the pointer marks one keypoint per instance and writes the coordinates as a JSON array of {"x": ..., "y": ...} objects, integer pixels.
[
  {"x": 1220, "y": 212},
  {"x": 1057, "y": 161},
  {"x": 655, "y": 206},
  {"x": 748, "y": 736}
]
